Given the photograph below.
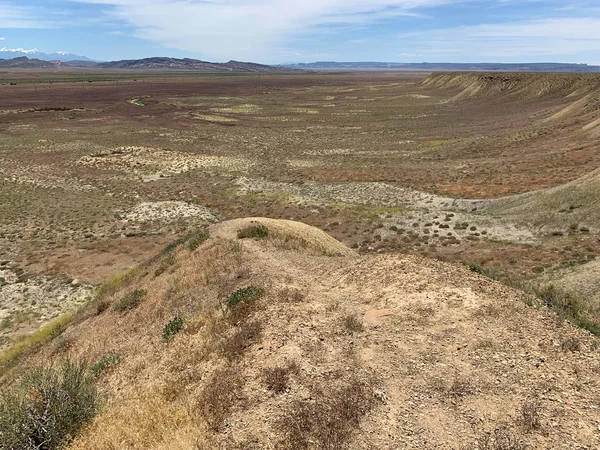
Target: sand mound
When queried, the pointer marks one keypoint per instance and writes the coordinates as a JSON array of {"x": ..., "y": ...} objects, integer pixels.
[
  {"x": 150, "y": 164},
  {"x": 287, "y": 234},
  {"x": 167, "y": 211}
]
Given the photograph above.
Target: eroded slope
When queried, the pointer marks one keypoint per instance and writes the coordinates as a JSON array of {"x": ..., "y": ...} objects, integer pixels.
[{"x": 381, "y": 351}]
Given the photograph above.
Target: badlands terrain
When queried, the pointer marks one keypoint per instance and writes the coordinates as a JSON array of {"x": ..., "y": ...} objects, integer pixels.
[{"x": 428, "y": 243}]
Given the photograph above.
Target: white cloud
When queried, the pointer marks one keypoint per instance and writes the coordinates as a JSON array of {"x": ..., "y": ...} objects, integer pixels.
[
  {"x": 12, "y": 16},
  {"x": 19, "y": 50},
  {"x": 526, "y": 39},
  {"x": 249, "y": 29}
]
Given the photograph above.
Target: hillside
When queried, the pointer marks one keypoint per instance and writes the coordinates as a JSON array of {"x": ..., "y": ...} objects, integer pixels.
[
  {"x": 572, "y": 205},
  {"x": 294, "y": 341},
  {"x": 187, "y": 64},
  {"x": 515, "y": 85},
  {"x": 156, "y": 63},
  {"x": 24, "y": 62}
]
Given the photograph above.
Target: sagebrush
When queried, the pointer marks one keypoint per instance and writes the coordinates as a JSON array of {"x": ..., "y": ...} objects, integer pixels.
[{"x": 48, "y": 408}]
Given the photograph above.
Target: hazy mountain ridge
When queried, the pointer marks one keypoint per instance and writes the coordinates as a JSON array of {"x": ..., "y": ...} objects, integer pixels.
[
  {"x": 155, "y": 63},
  {"x": 189, "y": 64},
  {"x": 433, "y": 67},
  {"x": 23, "y": 62},
  {"x": 34, "y": 59},
  {"x": 11, "y": 53}
]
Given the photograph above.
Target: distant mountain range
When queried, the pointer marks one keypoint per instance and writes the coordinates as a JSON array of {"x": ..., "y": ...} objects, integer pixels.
[
  {"x": 166, "y": 63},
  {"x": 10, "y": 53},
  {"x": 447, "y": 67},
  {"x": 23, "y": 62},
  {"x": 158, "y": 63}
]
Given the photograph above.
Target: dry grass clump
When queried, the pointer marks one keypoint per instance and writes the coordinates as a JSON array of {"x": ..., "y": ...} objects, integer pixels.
[
  {"x": 234, "y": 347},
  {"x": 148, "y": 421},
  {"x": 220, "y": 396},
  {"x": 352, "y": 324},
  {"x": 258, "y": 231},
  {"x": 530, "y": 417},
  {"x": 500, "y": 439},
  {"x": 570, "y": 344},
  {"x": 460, "y": 388},
  {"x": 277, "y": 379},
  {"x": 291, "y": 295},
  {"x": 326, "y": 423}
]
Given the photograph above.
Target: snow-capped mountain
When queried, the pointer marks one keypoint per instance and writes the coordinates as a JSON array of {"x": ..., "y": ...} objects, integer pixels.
[{"x": 10, "y": 53}]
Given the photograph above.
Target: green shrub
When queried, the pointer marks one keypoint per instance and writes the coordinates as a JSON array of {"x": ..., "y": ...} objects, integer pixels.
[
  {"x": 169, "y": 248},
  {"x": 172, "y": 328},
  {"x": 131, "y": 300},
  {"x": 106, "y": 361},
  {"x": 48, "y": 408},
  {"x": 198, "y": 239},
  {"x": 242, "y": 304},
  {"x": 477, "y": 268},
  {"x": 253, "y": 231},
  {"x": 247, "y": 294}
]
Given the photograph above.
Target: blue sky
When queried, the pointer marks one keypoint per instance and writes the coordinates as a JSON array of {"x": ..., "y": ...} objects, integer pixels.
[{"x": 275, "y": 31}]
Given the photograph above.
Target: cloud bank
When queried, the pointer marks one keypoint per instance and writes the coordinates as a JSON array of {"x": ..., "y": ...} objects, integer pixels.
[
  {"x": 250, "y": 29},
  {"x": 524, "y": 39},
  {"x": 300, "y": 30}
]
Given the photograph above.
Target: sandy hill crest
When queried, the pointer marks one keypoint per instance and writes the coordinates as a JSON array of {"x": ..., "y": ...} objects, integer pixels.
[{"x": 291, "y": 340}]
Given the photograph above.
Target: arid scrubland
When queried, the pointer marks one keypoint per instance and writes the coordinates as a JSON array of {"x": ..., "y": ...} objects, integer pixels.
[{"x": 424, "y": 250}]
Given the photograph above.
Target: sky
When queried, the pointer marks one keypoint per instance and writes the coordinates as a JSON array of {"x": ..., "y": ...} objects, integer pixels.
[{"x": 284, "y": 31}]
